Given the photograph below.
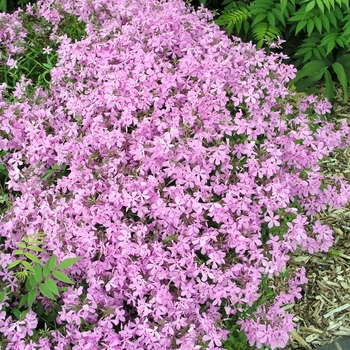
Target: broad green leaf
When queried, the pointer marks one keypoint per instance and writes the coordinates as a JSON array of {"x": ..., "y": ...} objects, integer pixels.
[
  {"x": 46, "y": 291},
  {"x": 341, "y": 75},
  {"x": 27, "y": 265},
  {"x": 31, "y": 297},
  {"x": 30, "y": 282},
  {"x": 67, "y": 263},
  {"x": 32, "y": 257},
  {"x": 3, "y": 6},
  {"x": 52, "y": 286},
  {"x": 310, "y": 6},
  {"x": 3, "y": 294},
  {"x": 330, "y": 37},
  {"x": 310, "y": 68},
  {"x": 310, "y": 80},
  {"x": 23, "y": 301},
  {"x": 52, "y": 262},
  {"x": 22, "y": 245},
  {"x": 329, "y": 85},
  {"x": 332, "y": 19},
  {"x": 16, "y": 313},
  {"x": 38, "y": 273},
  {"x": 62, "y": 277},
  {"x": 18, "y": 252}
]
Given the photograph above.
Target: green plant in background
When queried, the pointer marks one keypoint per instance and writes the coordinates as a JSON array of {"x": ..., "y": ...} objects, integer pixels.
[{"x": 317, "y": 34}]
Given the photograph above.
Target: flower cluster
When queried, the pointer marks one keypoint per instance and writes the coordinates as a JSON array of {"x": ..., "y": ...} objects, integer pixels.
[{"x": 183, "y": 171}]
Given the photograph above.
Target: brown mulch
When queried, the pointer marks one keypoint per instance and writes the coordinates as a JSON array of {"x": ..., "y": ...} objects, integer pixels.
[{"x": 323, "y": 314}]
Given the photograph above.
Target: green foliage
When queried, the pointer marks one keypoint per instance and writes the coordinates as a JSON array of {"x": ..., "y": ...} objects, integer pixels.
[
  {"x": 36, "y": 278},
  {"x": 317, "y": 34},
  {"x": 40, "y": 52}
]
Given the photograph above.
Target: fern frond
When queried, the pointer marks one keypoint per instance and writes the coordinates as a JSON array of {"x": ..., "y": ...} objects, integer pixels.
[{"x": 264, "y": 32}]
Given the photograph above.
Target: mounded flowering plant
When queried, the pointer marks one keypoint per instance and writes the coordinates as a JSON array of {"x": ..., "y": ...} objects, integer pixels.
[{"x": 173, "y": 166}]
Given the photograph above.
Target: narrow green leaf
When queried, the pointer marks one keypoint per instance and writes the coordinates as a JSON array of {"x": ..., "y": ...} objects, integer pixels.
[
  {"x": 310, "y": 80},
  {"x": 271, "y": 18},
  {"x": 22, "y": 245},
  {"x": 300, "y": 26},
  {"x": 320, "y": 5},
  {"x": 330, "y": 47},
  {"x": 341, "y": 75},
  {"x": 332, "y": 19},
  {"x": 318, "y": 24},
  {"x": 67, "y": 263},
  {"x": 31, "y": 297},
  {"x": 310, "y": 27},
  {"x": 27, "y": 265},
  {"x": 23, "y": 301},
  {"x": 52, "y": 286},
  {"x": 35, "y": 248},
  {"x": 62, "y": 277},
  {"x": 325, "y": 22},
  {"x": 38, "y": 273},
  {"x": 32, "y": 257},
  {"x": 310, "y": 6},
  {"x": 18, "y": 252},
  {"x": 283, "y": 5},
  {"x": 46, "y": 292}
]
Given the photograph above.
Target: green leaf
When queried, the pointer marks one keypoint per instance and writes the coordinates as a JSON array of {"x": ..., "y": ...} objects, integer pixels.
[
  {"x": 310, "y": 68},
  {"x": 3, "y": 294},
  {"x": 332, "y": 19},
  {"x": 341, "y": 75},
  {"x": 271, "y": 18},
  {"x": 300, "y": 26},
  {"x": 283, "y": 5},
  {"x": 52, "y": 262},
  {"x": 23, "y": 301},
  {"x": 310, "y": 6},
  {"x": 52, "y": 286},
  {"x": 35, "y": 248},
  {"x": 18, "y": 252},
  {"x": 46, "y": 291},
  {"x": 22, "y": 245},
  {"x": 31, "y": 297},
  {"x": 38, "y": 273},
  {"x": 16, "y": 313},
  {"x": 310, "y": 27},
  {"x": 27, "y": 265},
  {"x": 325, "y": 22},
  {"x": 318, "y": 24},
  {"x": 320, "y": 5},
  {"x": 329, "y": 85},
  {"x": 310, "y": 80},
  {"x": 3, "y": 6},
  {"x": 67, "y": 263},
  {"x": 62, "y": 277},
  {"x": 32, "y": 257},
  {"x": 30, "y": 282}
]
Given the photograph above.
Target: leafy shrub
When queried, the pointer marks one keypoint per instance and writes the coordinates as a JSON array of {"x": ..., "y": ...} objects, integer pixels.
[
  {"x": 179, "y": 167},
  {"x": 317, "y": 34}
]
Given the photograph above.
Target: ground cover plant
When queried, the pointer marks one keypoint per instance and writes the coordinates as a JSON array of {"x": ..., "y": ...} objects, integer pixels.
[{"x": 156, "y": 176}]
